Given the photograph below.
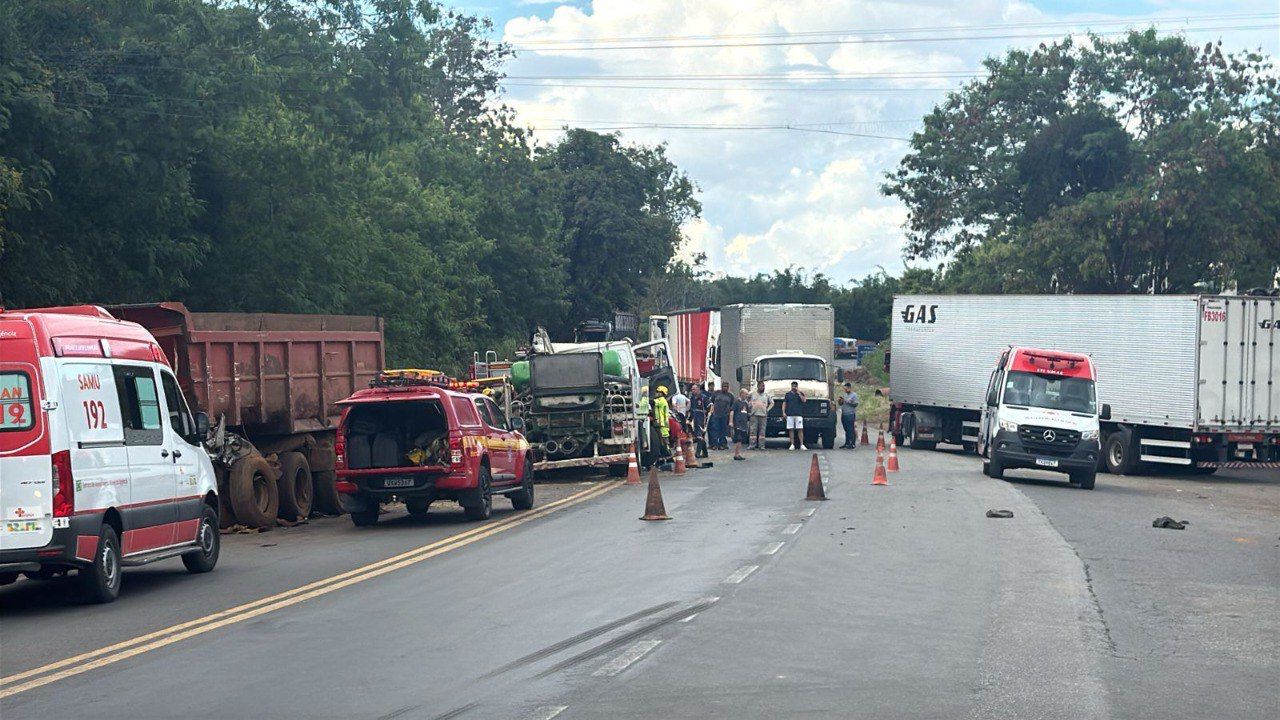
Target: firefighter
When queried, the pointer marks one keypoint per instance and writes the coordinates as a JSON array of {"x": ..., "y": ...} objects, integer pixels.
[{"x": 662, "y": 421}]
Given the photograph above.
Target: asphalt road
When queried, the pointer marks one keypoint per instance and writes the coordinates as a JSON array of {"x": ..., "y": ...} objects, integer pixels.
[{"x": 883, "y": 602}]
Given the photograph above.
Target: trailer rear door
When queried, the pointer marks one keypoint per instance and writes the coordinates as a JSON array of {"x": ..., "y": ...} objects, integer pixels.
[{"x": 1239, "y": 363}]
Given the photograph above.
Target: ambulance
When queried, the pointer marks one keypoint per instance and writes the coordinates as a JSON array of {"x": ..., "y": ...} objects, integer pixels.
[{"x": 101, "y": 462}]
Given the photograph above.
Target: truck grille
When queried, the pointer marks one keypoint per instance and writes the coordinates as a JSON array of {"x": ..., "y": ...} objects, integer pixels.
[
  {"x": 1058, "y": 442},
  {"x": 812, "y": 408}
]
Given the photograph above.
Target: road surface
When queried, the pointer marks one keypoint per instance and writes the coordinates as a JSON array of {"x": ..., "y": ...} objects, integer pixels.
[{"x": 883, "y": 602}]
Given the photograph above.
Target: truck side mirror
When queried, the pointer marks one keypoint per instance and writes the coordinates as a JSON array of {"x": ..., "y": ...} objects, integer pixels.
[
  {"x": 202, "y": 424},
  {"x": 1106, "y": 412},
  {"x": 738, "y": 374}
]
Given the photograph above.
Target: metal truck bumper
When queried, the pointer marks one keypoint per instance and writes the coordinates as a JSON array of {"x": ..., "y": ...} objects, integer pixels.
[
  {"x": 776, "y": 426},
  {"x": 1013, "y": 453}
]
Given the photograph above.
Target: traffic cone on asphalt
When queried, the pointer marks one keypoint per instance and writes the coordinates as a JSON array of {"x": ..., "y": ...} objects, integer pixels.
[
  {"x": 879, "y": 478},
  {"x": 690, "y": 457},
  {"x": 880, "y": 441},
  {"x": 633, "y": 468},
  {"x": 653, "y": 507},
  {"x": 816, "y": 491},
  {"x": 893, "y": 455},
  {"x": 679, "y": 459},
  {"x": 865, "y": 440}
]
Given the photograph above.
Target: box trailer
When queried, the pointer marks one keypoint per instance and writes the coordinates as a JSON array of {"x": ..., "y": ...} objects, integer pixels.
[
  {"x": 1191, "y": 380},
  {"x": 269, "y": 382},
  {"x": 694, "y": 337}
]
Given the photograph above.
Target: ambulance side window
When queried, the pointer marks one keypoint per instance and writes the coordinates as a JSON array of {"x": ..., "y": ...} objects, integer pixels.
[
  {"x": 179, "y": 416},
  {"x": 139, "y": 405}
]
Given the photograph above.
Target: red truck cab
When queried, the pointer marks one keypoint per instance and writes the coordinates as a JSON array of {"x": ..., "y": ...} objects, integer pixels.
[{"x": 419, "y": 438}]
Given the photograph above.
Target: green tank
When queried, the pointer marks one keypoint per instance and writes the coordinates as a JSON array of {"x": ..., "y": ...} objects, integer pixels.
[{"x": 611, "y": 360}]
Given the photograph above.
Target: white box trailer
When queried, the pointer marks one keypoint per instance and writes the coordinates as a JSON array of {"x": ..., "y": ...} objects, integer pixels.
[{"x": 1191, "y": 379}]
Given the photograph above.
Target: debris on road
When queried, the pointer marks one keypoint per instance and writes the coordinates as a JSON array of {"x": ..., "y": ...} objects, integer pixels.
[
  {"x": 1169, "y": 523},
  {"x": 999, "y": 513}
]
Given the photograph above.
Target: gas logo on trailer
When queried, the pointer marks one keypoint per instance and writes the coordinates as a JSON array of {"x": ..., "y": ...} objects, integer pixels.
[
  {"x": 921, "y": 314},
  {"x": 1268, "y": 324}
]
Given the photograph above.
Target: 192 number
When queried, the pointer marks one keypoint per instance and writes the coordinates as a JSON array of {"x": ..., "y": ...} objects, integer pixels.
[{"x": 95, "y": 414}]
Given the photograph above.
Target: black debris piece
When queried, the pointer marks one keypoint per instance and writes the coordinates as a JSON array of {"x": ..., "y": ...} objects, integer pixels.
[
  {"x": 1169, "y": 523},
  {"x": 999, "y": 513}
]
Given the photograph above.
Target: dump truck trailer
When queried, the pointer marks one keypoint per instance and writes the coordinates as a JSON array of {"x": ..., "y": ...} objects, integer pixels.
[
  {"x": 268, "y": 383},
  {"x": 1191, "y": 380}
]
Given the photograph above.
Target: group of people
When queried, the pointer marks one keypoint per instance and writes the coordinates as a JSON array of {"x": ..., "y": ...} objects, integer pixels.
[{"x": 716, "y": 417}]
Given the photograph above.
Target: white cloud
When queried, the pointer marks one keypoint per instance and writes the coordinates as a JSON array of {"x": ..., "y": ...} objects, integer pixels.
[{"x": 771, "y": 198}]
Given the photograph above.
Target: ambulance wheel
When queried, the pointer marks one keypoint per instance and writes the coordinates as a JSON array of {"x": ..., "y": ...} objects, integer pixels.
[
  {"x": 255, "y": 498},
  {"x": 294, "y": 486},
  {"x": 100, "y": 582},
  {"x": 209, "y": 543},
  {"x": 1085, "y": 479},
  {"x": 327, "y": 498}
]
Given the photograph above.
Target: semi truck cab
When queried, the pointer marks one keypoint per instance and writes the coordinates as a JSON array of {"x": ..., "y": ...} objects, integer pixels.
[
  {"x": 1041, "y": 412},
  {"x": 778, "y": 371}
]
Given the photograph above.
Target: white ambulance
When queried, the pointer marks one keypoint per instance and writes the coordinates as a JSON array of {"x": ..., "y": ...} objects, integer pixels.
[{"x": 101, "y": 463}]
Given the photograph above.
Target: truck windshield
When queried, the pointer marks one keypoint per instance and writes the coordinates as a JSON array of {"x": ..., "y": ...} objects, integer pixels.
[
  {"x": 792, "y": 369},
  {"x": 1047, "y": 391}
]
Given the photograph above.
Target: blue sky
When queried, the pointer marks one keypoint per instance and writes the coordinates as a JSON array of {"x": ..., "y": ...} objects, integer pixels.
[{"x": 776, "y": 197}]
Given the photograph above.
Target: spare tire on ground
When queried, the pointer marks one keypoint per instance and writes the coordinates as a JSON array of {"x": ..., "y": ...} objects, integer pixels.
[
  {"x": 255, "y": 498},
  {"x": 294, "y": 486}
]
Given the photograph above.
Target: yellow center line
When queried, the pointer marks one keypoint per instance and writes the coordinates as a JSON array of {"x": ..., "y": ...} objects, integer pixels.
[{"x": 161, "y": 638}]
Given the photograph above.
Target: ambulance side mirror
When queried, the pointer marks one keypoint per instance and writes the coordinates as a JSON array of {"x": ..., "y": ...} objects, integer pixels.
[{"x": 202, "y": 424}]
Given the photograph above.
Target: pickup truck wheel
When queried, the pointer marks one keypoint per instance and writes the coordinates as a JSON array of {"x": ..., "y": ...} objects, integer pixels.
[
  {"x": 327, "y": 498},
  {"x": 100, "y": 582},
  {"x": 255, "y": 498},
  {"x": 209, "y": 542},
  {"x": 366, "y": 517},
  {"x": 294, "y": 486},
  {"x": 482, "y": 509},
  {"x": 522, "y": 499},
  {"x": 1119, "y": 452}
]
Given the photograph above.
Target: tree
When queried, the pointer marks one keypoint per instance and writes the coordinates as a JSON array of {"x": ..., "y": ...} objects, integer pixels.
[{"x": 1142, "y": 164}]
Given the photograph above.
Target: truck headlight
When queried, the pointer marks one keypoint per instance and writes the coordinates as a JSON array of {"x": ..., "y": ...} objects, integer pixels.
[
  {"x": 1009, "y": 425},
  {"x": 1089, "y": 435}
]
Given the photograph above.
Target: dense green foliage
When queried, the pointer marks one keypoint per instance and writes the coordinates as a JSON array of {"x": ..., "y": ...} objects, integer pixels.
[
  {"x": 1137, "y": 165},
  {"x": 334, "y": 156}
]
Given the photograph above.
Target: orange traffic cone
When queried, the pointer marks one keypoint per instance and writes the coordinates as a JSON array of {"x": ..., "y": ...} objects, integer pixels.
[
  {"x": 879, "y": 478},
  {"x": 653, "y": 507},
  {"x": 816, "y": 491},
  {"x": 893, "y": 455},
  {"x": 633, "y": 468},
  {"x": 690, "y": 457},
  {"x": 865, "y": 440},
  {"x": 679, "y": 459},
  {"x": 880, "y": 441}
]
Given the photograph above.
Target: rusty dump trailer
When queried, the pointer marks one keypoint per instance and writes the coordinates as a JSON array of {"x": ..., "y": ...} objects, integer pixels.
[{"x": 268, "y": 383}]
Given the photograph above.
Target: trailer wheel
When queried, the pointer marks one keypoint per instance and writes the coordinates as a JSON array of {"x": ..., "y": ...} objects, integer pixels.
[
  {"x": 294, "y": 486},
  {"x": 522, "y": 499},
  {"x": 1120, "y": 453},
  {"x": 255, "y": 498},
  {"x": 327, "y": 498},
  {"x": 915, "y": 443}
]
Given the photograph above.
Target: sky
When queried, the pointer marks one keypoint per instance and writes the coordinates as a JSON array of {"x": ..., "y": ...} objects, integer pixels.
[{"x": 793, "y": 180}]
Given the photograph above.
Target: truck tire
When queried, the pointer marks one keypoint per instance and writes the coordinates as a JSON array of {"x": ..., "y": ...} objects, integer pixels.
[
  {"x": 209, "y": 542},
  {"x": 226, "y": 516},
  {"x": 618, "y": 470},
  {"x": 100, "y": 582},
  {"x": 522, "y": 499},
  {"x": 254, "y": 495},
  {"x": 294, "y": 486},
  {"x": 828, "y": 438},
  {"x": 1085, "y": 479},
  {"x": 481, "y": 505},
  {"x": 367, "y": 517},
  {"x": 327, "y": 498},
  {"x": 917, "y": 444},
  {"x": 1121, "y": 453}
]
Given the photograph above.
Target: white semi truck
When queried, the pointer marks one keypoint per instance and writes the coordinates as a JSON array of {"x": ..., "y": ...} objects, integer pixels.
[{"x": 1190, "y": 380}]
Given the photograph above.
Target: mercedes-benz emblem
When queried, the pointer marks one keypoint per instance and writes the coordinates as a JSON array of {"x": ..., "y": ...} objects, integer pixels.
[{"x": 1050, "y": 436}]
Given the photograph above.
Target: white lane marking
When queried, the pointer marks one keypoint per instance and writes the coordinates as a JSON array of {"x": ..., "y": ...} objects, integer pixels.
[
  {"x": 741, "y": 573},
  {"x": 701, "y": 601},
  {"x": 810, "y": 512},
  {"x": 548, "y": 712},
  {"x": 791, "y": 529},
  {"x": 690, "y": 618},
  {"x": 637, "y": 650},
  {"x": 772, "y": 548}
]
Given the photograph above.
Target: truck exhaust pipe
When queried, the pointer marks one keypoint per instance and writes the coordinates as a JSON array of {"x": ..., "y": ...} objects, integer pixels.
[{"x": 551, "y": 447}]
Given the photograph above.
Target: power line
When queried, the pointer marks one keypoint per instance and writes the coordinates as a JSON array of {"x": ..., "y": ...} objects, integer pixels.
[
  {"x": 728, "y": 127},
  {"x": 704, "y": 88}
]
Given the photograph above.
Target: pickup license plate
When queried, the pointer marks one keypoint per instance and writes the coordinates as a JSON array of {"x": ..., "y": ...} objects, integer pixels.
[
  {"x": 1046, "y": 462},
  {"x": 399, "y": 482}
]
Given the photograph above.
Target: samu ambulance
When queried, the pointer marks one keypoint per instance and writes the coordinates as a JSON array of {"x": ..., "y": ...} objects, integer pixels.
[{"x": 101, "y": 463}]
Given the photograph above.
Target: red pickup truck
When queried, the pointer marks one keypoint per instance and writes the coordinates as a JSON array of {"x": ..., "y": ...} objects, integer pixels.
[{"x": 421, "y": 441}]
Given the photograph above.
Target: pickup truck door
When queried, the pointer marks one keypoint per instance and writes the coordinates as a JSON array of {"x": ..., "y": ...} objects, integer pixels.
[{"x": 498, "y": 441}]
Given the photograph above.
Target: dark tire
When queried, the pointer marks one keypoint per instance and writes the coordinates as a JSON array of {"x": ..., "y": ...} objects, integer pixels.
[
  {"x": 367, "y": 517},
  {"x": 1203, "y": 470},
  {"x": 226, "y": 516},
  {"x": 417, "y": 507},
  {"x": 916, "y": 443},
  {"x": 618, "y": 470},
  {"x": 969, "y": 447},
  {"x": 483, "y": 508},
  {"x": 100, "y": 582},
  {"x": 294, "y": 486},
  {"x": 522, "y": 499},
  {"x": 255, "y": 498},
  {"x": 8, "y": 578},
  {"x": 1120, "y": 453},
  {"x": 327, "y": 498},
  {"x": 209, "y": 542},
  {"x": 993, "y": 468},
  {"x": 828, "y": 439},
  {"x": 810, "y": 438},
  {"x": 1085, "y": 479}
]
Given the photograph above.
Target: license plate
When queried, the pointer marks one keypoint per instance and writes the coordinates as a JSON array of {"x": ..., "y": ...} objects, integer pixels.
[
  {"x": 1046, "y": 462},
  {"x": 397, "y": 482}
]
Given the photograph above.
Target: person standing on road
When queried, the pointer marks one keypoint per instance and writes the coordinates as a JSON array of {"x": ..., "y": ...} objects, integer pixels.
[
  {"x": 849, "y": 416},
  {"x": 680, "y": 404},
  {"x": 721, "y": 407},
  {"x": 699, "y": 404},
  {"x": 793, "y": 408},
  {"x": 760, "y": 405},
  {"x": 739, "y": 423}
]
